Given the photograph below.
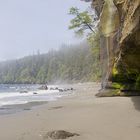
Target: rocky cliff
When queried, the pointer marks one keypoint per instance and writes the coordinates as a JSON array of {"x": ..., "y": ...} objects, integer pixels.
[{"x": 120, "y": 43}]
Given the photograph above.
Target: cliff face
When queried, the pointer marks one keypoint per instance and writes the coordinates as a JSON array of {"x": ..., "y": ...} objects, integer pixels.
[{"x": 120, "y": 42}]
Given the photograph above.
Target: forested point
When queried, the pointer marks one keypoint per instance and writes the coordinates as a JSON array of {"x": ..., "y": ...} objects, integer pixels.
[{"x": 70, "y": 63}]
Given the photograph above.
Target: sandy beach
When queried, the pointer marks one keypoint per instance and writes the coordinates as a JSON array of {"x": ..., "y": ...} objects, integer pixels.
[{"x": 109, "y": 118}]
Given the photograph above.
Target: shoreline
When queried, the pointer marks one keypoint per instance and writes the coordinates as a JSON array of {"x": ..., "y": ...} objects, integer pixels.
[
  {"x": 16, "y": 101},
  {"x": 17, "y": 108},
  {"x": 81, "y": 113}
]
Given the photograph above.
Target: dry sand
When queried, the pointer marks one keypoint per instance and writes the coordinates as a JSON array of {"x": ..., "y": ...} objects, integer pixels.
[{"x": 110, "y": 118}]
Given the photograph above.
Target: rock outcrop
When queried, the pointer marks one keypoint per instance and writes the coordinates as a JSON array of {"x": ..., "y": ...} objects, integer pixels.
[
  {"x": 59, "y": 134},
  {"x": 120, "y": 43}
]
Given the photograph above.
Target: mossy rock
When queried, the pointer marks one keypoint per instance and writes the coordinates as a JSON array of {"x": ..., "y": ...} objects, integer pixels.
[
  {"x": 137, "y": 85},
  {"x": 117, "y": 86},
  {"x": 108, "y": 93},
  {"x": 117, "y": 92}
]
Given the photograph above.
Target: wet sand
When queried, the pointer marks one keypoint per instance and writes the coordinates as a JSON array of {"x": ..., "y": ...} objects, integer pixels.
[{"x": 109, "y": 118}]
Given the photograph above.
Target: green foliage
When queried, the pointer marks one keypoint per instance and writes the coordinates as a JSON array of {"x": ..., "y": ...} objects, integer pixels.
[
  {"x": 127, "y": 80},
  {"x": 81, "y": 21},
  {"x": 117, "y": 85},
  {"x": 68, "y": 64},
  {"x": 137, "y": 85},
  {"x": 94, "y": 41}
]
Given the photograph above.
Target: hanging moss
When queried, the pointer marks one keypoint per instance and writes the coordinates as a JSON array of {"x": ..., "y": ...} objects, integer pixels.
[
  {"x": 115, "y": 71},
  {"x": 125, "y": 80},
  {"x": 117, "y": 86},
  {"x": 137, "y": 85}
]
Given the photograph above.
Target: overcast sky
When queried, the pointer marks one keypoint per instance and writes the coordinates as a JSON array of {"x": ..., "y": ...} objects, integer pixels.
[{"x": 30, "y": 25}]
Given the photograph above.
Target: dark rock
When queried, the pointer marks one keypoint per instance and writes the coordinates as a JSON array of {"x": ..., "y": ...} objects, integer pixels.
[
  {"x": 59, "y": 134},
  {"x": 57, "y": 107},
  {"x": 71, "y": 89},
  {"x": 60, "y": 90},
  {"x": 43, "y": 87},
  {"x": 24, "y": 91}
]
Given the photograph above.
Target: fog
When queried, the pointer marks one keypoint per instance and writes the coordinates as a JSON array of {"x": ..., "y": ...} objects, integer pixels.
[{"x": 29, "y": 26}]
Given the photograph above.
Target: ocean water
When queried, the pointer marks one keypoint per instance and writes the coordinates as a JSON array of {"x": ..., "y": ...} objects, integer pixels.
[{"x": 14, "y": 94}]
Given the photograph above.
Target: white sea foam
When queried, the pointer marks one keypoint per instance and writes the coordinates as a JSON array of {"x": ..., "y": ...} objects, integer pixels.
[
  {"x": 3, "y": 103},
  {"x": 11, "y": 98}
]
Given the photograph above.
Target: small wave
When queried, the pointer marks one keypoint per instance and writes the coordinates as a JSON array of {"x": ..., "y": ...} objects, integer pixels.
[
  {"x": 25, "y": 97},
  {"x": 3, "y": 103}
]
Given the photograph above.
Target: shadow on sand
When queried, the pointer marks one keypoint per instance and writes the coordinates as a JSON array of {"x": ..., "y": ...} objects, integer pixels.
[{"x": 136, "y": 102}]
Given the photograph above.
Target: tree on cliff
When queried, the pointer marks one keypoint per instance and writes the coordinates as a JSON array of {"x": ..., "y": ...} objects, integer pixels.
[{"x": 82, "y": 21}]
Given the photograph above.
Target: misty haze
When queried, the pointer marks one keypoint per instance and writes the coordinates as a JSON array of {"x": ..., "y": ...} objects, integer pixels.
[
  {"x": 31, "y": 25},
  {"x": 70, "y": 69}
]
